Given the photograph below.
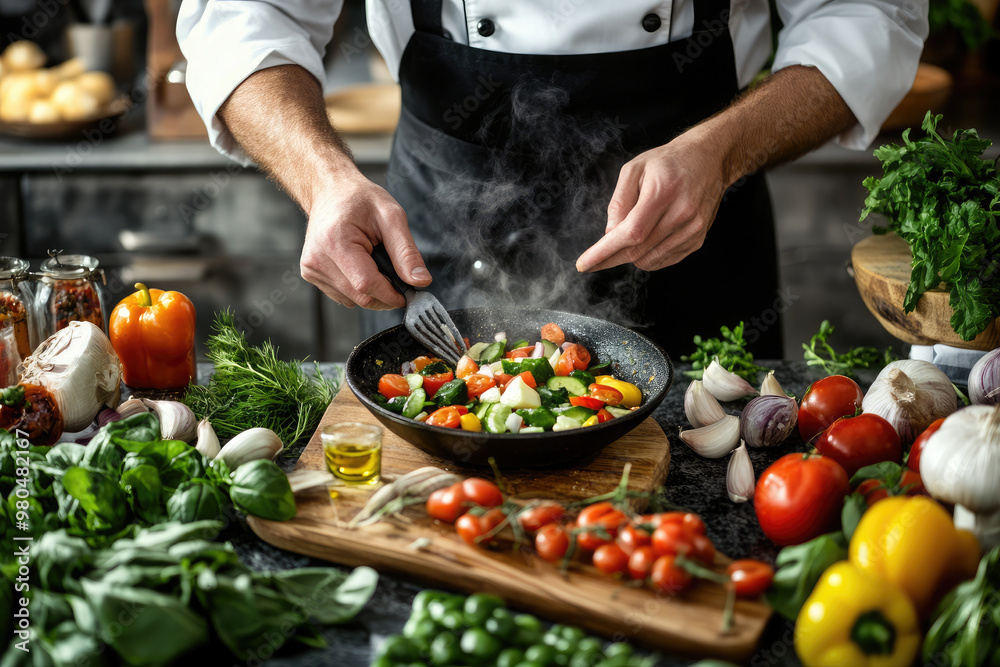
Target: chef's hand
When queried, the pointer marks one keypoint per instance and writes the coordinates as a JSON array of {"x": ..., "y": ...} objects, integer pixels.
[
  {"x": 662, "y": 208},
  {"x": 346, "y": 220}
]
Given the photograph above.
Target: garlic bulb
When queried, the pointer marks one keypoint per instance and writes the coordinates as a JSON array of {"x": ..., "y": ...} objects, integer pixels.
[
  {"x": 80, "y": 369},
  {"x": 724, "y": 385},
  {"x": 716, "y": 440},
  {"x": 177, "y": 421},
  {"x": 984, "y": 380},
  {"x": 768, "y": 420},
  {"x": 740, "y": 480},
  {"x": 250, "y": 445},
  {"x": 700, "y": 407},
  {"x": 770, "y": 386},
  {"x": 132, "y": 406},
  {"x": 910, "y": 394},
  {"x": 208, "y": 441}
]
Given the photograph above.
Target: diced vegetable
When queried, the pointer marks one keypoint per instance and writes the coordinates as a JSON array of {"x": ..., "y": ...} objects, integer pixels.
[
  {"x": 519, "y": 395},
  {"x": 542, "y": 417},
  {"x": 470, "y": 422},
  {"x": 552, "y": 398},
  {"x": 564, "y": 423},
  {"x": 452, "y": 393},
  {"x": 572, "y": 385},
  {"x": 583, "y": 376},
  {"x": 476, "y": 351},
  {"x": 491, "y": 395},
  {"x": 492, "y": 352},
  {"x": 414, "y": 380},
  {"x": 496, "y": 418},
  {"x": 414, "y": 404},
  {"x": 514, "y": 422}
]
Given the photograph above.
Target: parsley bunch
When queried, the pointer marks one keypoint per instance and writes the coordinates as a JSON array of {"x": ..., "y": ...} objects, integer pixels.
[
  {"x": 818, "y": 352},
  {"x": 731, "y": 351},
  {"x": 943, "y": 199}
]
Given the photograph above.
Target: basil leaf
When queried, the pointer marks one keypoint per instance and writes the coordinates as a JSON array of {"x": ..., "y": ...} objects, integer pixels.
[
  {"x": 260, "y": 488},
  {"x": 195, "y": 500},
  {"x": 855, "y": 506},
  {"x": 99, "y": 496},
  {"x": 330, "y": 596},
  {"x": 799, "y": 567}
]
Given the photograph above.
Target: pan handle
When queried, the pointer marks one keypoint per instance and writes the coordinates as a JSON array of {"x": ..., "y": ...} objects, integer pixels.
[{"x": 384, "y": 264}]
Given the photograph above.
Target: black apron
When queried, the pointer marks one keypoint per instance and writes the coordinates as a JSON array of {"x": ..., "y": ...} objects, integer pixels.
[{"x": 505, "y": 163}]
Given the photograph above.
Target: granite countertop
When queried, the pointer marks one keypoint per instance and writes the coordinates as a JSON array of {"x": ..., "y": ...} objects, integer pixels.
[{"x": 694, "y": 483}]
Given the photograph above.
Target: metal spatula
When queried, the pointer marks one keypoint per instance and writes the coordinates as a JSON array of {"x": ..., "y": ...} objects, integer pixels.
[{"x": 425, "y": 319}]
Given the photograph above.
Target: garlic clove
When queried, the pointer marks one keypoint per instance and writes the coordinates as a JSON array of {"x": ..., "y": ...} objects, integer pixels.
[
  {"x": 208, "y": 441},
  {"x": 700, "y": 407},
  {"x": 724, "y": 385},
  {"x": 132, "y": 406},
  {"x": 300, "y": 480},
  {"x": 177, "y": 421},
  {"x": 716, "y": 440},
  {"x": 740, "y": 480},
  {"x": 250, "y": 445},
  {"x": 771, "y": 387}
]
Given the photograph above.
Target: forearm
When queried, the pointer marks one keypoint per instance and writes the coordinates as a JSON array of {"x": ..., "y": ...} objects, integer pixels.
[
  {"x": 279, "y": 118},
  {"x": 792, "y": 112}
]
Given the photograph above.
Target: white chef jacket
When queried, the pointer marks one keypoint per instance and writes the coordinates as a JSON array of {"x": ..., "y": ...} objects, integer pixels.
[{"x": 867, "y": 49}]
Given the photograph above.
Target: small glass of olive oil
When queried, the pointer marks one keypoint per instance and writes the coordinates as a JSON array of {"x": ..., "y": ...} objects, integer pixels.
[{"x": 353, "y": 452}]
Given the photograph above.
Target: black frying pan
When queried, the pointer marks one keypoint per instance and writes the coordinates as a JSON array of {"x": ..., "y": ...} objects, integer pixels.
[{"x": 633, "y": 357}]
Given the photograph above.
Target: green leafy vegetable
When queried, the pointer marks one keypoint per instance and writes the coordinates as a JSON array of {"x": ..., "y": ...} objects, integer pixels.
[
  {"x": 818, "y": 352},
  {"x": 731, "y": 351},
  {"x": 261, "y": 488},
  {"x": 962, "y": 15},
  {"x": 799, "y": 568},
  {"x": 250, "y": 387},
  {"x": 942, "y": 198}
]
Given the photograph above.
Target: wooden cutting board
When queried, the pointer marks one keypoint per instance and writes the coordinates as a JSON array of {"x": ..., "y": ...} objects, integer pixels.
[
  {"x": 687, "y": 624},
  {"x": 882, "y": 273}
]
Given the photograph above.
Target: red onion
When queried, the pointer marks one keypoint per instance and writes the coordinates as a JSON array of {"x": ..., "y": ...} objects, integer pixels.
[
  {"x": 767, "y": 421},
  {"x": 106, "y": 416},
  {"x": 538, "y": 351},
  {"x": 984, "y": 380},
  {"x": 565, "y": 346},
  {"x": 408, "y": 367}
]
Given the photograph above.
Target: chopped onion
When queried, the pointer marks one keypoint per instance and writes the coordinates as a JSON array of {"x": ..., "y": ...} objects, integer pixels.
[
  {"x": 984, "y": 380},
  {"x": 499, "y": 336},
  {"x": 538, "y": 351},
  {"x": 408, "y": 367},
  {"x": 514, "y": 422}
]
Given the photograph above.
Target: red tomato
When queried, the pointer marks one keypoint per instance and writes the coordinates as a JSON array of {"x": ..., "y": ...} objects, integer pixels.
[
  {"x": 462, "y": 410},
  {"x": 447, "y": 504},
  {"x": 528, "y": 379},
  {"x": 521, "y": 352},
  {"x": 392, "y": 385},
  {"x": 610, "y": 559},
  {"x": 750, "y": 577},
  {"x": 704, "y": 549},
  {"x": 502, "y": 379},
  {"x": 580, "y": 355},
  {"x": 553, "y": 333},
  {"x": 586, "y": 402},
  {"x": 875, "y": 490},
  {"x": 434, "y": 382},
  {"x": 668, "y": 576},
  {"x": 799, "y": 497},
  {"x": 482, "y": 492},
  {"x": 603, "y": 416},
  {"x": 606, "y": 394},
  {"x": 671, "y": 538},
  {"x": 601, "y": 515},
  {"x": 855, "y": 442},
  {"x": 826, "y": 401},
  {"x": 466, "y": 367},
  {"x": 632, "y": 537},
  {"x": 474, "y": 529},
  {"x": 533, "y": 518},
  {"x": 422, "y": 361},
  {"x": 477, "y": 384},
  {"x": 688, "y": 519},
  {"x": 913, "y": 458},
  {"x": 640, "y": 563},
  {"x": 448, "y": 416},
  {"x": 565, "y": 365},
  {"x": 551, "y": 542}
]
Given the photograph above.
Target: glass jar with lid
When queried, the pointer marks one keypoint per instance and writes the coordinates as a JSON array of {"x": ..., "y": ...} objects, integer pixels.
[
  {"x": 68, "y": 291},
  {"x": 15, "y": 304}
]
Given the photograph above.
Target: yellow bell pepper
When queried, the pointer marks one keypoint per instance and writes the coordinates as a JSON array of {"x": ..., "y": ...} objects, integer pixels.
[
  {"x": 854, "y": 619},
  {"x": 631, "y": 394},
  {"x": 591, "y": 421},
  {"x": 470, "y": 422},
  {"x": 912, "y": 542}
]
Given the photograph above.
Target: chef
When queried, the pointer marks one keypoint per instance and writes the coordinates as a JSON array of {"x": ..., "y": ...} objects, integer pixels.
[{"x": 582, "y": 155}]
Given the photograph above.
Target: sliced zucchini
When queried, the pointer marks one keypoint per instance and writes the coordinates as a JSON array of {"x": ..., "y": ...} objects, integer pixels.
[
  {"x": 576, "y": 413},
  {"x": 583, "y": 376},
  {"x": 616, "y": 411},
  {"x": 477, "y": 350},
  {"x": 492, "y": 352},
  {"x": 570, "y": 384},
  {"x": 496, "y": 418},
  {"x": 482, "y": 410},
  {"x": 415, "y": 380},
  {"x": 414, "y": 403},
  {"x": 564, "y": 423},
  {"x": 548, "y": 348},
  {"x": 532, "y": 429}
]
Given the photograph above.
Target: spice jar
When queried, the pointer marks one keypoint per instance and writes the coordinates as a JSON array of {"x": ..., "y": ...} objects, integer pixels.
[
  {"x": 15, "y": 302},
  {"x": 10, "y": 358},
  {"x": 68, "y": 292}
]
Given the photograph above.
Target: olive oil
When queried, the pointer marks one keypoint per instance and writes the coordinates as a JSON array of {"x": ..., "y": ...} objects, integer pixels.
[{"x": 353, "y": 452}]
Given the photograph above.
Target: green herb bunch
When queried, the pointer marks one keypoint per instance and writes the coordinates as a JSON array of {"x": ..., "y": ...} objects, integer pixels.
[
  {"x": 818, "y": 352},
  {"x": 731, "y": 351},
  {"x": 250, "y": 387},
  {"x": 964, "y": 17},
  {"x": 943, "y": 199}
]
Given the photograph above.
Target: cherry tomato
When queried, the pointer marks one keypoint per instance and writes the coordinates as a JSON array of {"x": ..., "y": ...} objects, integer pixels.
[
  {"x": 913, "y": 458},
  {"x": 855, "y": 442},
  {"x": 502, "y": 379},
  {"x": 631, "y": 537},
  {"x": 477, "y": 384},
  {"x": 826, "y": 401},
  {"x": 799, "y": 497},
  {"x": 474, "y": 529},
  {"x": 750, "y": 577},
  {"x": 672, "y": 538},
  {"x": 551, "y": 542},
  {"x": 601, "y": 515},
  {"x": 603, "y": 416},
  {"x": 565, "y": 365},
  {"x": 610, "y": 559},
  {"x": 553, "y": 333},
  {"x": 586, "y": 402},
  {"x": 466, "y": 367},
  {"x": 392, "y": 385},
  {"x": 482, "y": 492},
  {"x": 688, "y": 519},
  {"x": 606, "y": 394},
  {"x": 447, "y": 504},
  {"x": 434, "y": 382},
  {"x": 704, "y": 549},
  {"x": 668, "y": 576},
  {"x": 875, "y": 490},
  {"x": 533, "y": 518},
  {"x": 528, "y": 379},
  {"x": 640, "y": 563},
  {"x": 422, "y": 361},
  {"x": 582, "y": 356},
  {"x": 521, "y": 352},
  {"x": 448, "y": 416}
]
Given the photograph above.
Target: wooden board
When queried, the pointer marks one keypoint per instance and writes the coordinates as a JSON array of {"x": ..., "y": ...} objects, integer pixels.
[
  {"x": 882, "y": 273},
  {"x": 688, "y": 624}
]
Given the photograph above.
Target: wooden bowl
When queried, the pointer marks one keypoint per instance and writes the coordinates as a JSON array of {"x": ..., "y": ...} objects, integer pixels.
[
  {"x": 930, "y": 91},
  {"x": 882, "y": 273},
  {"x": 70, "y": 129}
]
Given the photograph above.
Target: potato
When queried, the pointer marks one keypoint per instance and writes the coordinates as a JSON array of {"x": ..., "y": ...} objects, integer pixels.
[
  {"x": 98, "y": 84},
  {"x": 73, "y": 102},
  {"x": 44, "y": 111},
  {"x": 45, "y": 82},
  {"x": 15, "y": 111},
  {"x": 19, "y": 89},
  {"x": 24, "y": 55},
  {"x": 70, "y": 69}
]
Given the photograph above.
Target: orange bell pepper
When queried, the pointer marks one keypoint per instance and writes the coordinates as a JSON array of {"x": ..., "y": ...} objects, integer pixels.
[{"x": 153, "y": 333}]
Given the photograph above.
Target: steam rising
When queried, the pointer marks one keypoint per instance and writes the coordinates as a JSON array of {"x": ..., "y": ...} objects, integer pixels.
[{"x": 528, "y": 211}]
